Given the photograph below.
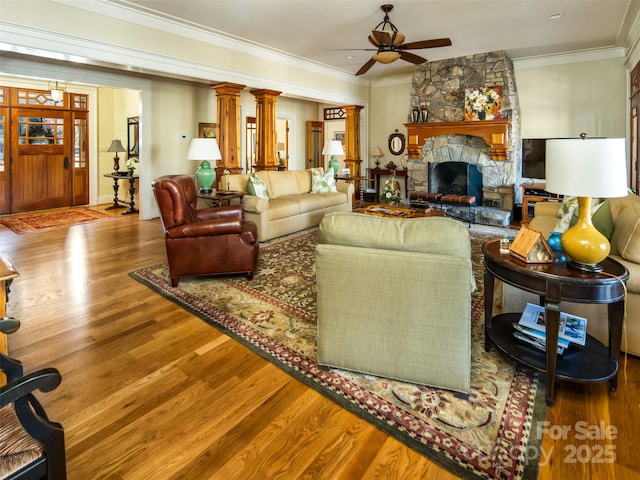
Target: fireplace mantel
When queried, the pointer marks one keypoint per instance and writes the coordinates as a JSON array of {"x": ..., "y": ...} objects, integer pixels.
[{"x": 494, "y": 132}]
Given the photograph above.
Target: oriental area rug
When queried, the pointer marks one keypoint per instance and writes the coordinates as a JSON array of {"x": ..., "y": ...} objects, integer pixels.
[
  {"x": 33, "y": 222},
  {"x": 484, "y": 436}
]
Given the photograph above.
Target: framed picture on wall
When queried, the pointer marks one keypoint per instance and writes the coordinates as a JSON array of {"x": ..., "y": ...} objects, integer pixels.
[
  {"x": 483, "y": 103},
  {"x": 340, "y": 136},
  {"x": 207, "y": 130}
]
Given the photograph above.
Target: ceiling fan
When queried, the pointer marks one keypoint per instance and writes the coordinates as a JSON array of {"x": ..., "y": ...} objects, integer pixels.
[{"x": 390, "y": 47}]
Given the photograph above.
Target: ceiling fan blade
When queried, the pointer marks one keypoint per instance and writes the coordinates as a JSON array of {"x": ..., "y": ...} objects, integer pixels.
[
  {"x": 433, "y": 43},
  {"x": 410, "y": 57},
  {"x": 365, "y": 68}
]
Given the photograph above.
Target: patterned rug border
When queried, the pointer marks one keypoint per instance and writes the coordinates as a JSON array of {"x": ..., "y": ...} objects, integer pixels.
[
  {"x": 17, "y": 224},
  {"x": 430, "y": 451}
]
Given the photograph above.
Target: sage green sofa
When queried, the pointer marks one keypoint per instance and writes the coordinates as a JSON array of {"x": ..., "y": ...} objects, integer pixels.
[
  {"x": 624, "y": 225},
  {"x": 394, "y": 298},
  {"x": 291, "y": 205}
]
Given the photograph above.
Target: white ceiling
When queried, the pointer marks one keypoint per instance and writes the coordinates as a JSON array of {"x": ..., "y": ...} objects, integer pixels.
[{"x": 314, "y": 29}]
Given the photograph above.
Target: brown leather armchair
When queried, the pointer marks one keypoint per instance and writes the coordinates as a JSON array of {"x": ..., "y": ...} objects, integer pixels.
[{"x": 206, "y": 241}]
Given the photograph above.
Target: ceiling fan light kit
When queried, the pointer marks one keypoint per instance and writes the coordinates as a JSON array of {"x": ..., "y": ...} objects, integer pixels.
[
  {"x": 386, "y": 57},
  {"x": 390, "y": 44}
]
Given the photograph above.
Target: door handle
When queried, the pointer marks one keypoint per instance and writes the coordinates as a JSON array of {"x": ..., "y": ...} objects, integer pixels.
[{"x": 66, "y": 163}]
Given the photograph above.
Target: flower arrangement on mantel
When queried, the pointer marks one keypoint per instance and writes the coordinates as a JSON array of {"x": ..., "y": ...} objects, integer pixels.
[{"x": 483, "y": 103}]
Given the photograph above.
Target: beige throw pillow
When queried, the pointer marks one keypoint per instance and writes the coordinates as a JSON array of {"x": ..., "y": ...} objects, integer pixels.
[{"x": 626, "y": 235}]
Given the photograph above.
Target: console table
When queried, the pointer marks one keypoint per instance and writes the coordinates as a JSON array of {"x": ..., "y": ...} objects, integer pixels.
[
  {"x": 132, "y": 190},
  {"x": 531, "y": 194},
  {"x": 554, "y": 283},
  {"x": 378, "y": 172}
]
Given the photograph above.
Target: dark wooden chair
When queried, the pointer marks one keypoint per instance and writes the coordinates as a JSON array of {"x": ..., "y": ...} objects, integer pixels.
[
  {"x": 206, "y": 241},
  {"x": 31, "y": 446}
]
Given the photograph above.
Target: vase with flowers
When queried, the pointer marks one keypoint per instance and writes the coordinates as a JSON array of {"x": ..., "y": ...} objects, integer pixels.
[
  {"x": 131, "y": 166},
  {"x": 391, "y": 193}
]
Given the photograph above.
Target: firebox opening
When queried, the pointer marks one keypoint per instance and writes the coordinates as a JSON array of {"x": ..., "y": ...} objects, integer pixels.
[{"x": 456, "y": 178}]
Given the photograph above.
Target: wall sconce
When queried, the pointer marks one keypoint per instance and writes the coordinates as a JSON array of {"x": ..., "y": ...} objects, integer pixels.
[
  {"x": 56, "y": 90},
  {"x": 116, "y": 146}
]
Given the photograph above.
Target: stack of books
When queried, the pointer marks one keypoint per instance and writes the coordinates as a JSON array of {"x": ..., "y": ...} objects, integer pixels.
[{"x": 530, "y": 329}]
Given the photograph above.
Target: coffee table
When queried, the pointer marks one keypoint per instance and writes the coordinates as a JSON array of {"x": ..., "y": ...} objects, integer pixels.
[{"x": 399, "y": 212}]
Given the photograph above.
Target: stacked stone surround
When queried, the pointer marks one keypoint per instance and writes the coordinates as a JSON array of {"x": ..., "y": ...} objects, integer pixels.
[{"x": 440, "y": 87}]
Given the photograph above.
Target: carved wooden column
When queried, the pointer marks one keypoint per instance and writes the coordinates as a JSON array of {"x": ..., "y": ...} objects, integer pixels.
[
  {"x": 266, "y": 129},
  {"x": 352, "y": 158},
  {"x": 228, "y": 95}
]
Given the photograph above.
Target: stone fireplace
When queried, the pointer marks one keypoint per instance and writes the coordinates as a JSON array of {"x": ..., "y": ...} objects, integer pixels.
[{"x": 487, "y": 150}]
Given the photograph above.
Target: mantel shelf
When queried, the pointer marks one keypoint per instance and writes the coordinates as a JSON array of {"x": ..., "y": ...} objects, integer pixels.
[{"x": 493, "y": 132}]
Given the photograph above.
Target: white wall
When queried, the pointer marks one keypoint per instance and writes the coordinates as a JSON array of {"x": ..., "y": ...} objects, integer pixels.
[{"x": 568, "y": 99}]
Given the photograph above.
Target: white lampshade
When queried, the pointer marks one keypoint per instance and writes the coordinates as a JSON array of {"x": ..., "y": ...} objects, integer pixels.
[
  {"x": 204, "y": 149},
  {"x": 377, "y": 152},
  {"x": 590, "y": 167},
  {"x": 333, "y": 147}
]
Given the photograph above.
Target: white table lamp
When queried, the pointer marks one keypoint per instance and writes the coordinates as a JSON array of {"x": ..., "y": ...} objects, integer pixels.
[{"x": 586, "y": 168}]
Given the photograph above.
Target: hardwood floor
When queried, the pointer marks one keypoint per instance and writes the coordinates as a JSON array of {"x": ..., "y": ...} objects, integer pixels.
[{"x": 151, "y": 392}]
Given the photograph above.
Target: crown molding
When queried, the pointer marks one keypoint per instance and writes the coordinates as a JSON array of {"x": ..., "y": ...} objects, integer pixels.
[
  {"x": 28, "y": 40},
  {"x": 121, "y": 11},
  {"x": 568, "y": 57}
]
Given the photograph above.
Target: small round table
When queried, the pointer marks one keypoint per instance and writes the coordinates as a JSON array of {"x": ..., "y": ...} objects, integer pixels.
[{"x": 556, "y": 282}]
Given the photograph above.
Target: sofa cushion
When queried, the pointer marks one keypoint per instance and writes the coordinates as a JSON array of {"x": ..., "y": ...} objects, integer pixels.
[
  {"x": 619, "y": 204},
  {"x": 322, "y": 182},
  {"x": 256, "y": 186},
  {"x": 303, "y": 177},
  {"x": 283, "y": 184},
  {"x": 309, "y": 202},
  {"x": 237, "y": 182},
  {"x": 283, "y": 208},
  {"x": 338, "y": 198},
  {"x": 626, "y": 236}
]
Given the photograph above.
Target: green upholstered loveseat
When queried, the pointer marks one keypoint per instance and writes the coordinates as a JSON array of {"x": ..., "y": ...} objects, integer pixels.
[
  {"x": 394, "y": 298},
  {"x": 291, "y": 205}
]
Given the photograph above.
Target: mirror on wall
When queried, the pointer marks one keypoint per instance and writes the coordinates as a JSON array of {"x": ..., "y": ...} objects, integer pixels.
[
  {"x": 397, "y": 143},
  {"x": 133, "y": 137}
]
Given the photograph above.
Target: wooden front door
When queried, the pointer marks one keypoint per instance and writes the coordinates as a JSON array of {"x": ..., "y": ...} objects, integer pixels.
[{"x": 40, "y": 159}]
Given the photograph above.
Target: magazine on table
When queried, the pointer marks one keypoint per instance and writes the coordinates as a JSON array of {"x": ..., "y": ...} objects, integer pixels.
[
  {"x": 537, "y": 338},
  {"x": 572, "y": 328}
]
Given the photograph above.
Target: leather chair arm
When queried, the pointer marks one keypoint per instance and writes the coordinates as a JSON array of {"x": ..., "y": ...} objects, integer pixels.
[
  {"x": 223, "y": 226},
  {"x": 231, "y": 211}
]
